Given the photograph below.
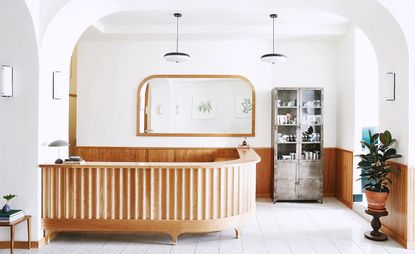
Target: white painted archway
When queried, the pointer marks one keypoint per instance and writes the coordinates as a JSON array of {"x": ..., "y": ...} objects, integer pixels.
[
  {"x": 72, "y": 20},
  {"x": 380, "y": 27}
]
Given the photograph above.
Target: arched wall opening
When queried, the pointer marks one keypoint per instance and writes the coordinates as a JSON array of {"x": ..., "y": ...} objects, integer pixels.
[
  {"x": 57, "y": 48},
  {"x": 19, "y": 123}
]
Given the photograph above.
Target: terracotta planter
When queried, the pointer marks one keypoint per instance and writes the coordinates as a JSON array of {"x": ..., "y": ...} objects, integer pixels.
[{"x": 376, "y": 200}]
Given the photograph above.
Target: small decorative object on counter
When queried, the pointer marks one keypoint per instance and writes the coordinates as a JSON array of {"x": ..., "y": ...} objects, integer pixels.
[
  {"x": 244, "y": 144},
  {"x": 6, "y": 207}
]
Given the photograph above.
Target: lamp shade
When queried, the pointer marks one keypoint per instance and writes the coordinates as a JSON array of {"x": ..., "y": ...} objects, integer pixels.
[
  {"x": 274, "y": 58},
  {"x": 176, "y": 57},
  {"x": 58, "y": 143}
]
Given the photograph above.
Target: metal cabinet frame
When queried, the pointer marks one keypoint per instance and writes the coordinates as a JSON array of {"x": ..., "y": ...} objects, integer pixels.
[{"x": 306, "y": 182}]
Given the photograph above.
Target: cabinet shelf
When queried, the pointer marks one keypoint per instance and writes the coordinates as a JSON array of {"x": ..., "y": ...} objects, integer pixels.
[
  {"x": 287, "y": 124},
  {"x": 310, "y": 142},
  {"x": 286, "y": 143},
  {"x": 281, "y": 107},
  {"x": 312, "y": 124}
]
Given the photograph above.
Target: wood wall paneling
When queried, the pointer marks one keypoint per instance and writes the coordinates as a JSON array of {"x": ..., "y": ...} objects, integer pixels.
[
  {"x": 396, "y": 223},
  {"x": 329, "y": 172},
  {"x": 410, "y": 200},
  {"x": 344, "y": 176},
  {"x": 264, "y": 173}
]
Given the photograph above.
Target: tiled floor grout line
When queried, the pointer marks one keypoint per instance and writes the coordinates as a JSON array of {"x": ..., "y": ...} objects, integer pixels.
[
  {"x": 283, "y": 237},
  {"x": 353, "y": 240},
  {"x": 298, "y": 226},
  {"x": 262, "y": 233},
  {"x": 325, "y": 234}
]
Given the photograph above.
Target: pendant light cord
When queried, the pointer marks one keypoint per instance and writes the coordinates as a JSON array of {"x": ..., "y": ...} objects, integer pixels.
[
  {"x": 273, "y": 36},
  {"x": 177, "y": 35}
]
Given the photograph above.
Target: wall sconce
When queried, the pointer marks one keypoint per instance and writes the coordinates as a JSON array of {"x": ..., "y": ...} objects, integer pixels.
[
  {"x": 390, "y": 86},
  {"x": 6, "y": 81},
  {"x": 57, "y": 93},
  {"x": 160, "y": 109}
]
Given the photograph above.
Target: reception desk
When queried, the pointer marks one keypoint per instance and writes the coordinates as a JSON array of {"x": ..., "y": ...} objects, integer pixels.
[{"x": 169, "y": 197}]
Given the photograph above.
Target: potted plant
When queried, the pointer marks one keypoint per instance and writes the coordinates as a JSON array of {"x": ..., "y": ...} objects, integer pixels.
[
  {"x": 6, "y": 207},
  {"x": 376, "y": 169}
]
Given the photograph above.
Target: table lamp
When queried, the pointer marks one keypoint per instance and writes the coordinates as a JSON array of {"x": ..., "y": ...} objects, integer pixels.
[{"x": 58, "y": 144}]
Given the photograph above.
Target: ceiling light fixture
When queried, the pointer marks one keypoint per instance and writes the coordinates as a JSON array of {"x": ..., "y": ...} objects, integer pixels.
[
  {"x": 273, "y": 57},
  {"x": 177, "y": 56}
]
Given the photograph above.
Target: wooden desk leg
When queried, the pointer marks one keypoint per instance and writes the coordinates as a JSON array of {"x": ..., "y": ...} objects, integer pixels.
[
  {"x": 29, "y": 225},
  {"x": 11, "y": 238}
]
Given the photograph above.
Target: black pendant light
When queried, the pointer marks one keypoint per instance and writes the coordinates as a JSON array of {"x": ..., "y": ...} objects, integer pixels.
[
  {"x": 177, "y": 56},
  {"x": 273, "y": 57}
]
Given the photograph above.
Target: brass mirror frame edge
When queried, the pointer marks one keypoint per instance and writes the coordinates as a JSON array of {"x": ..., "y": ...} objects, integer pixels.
[{"x": 144, "y": 81}]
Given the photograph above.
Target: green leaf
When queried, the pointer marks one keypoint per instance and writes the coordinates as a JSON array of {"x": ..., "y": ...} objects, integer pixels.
[
  {"x": 365, "y": 144},
  {"x": 374, "y": 137}
]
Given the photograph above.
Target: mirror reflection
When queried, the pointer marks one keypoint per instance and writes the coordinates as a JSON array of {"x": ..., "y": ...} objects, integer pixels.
[{"x": 196, "y": 105}]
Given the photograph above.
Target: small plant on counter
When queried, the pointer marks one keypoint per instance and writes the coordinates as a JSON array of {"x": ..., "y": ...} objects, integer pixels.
[{"x": 376, "y": 168}]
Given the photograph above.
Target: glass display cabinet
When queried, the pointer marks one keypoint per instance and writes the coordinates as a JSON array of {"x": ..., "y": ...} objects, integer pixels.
[{"x": 297, "y": 139}]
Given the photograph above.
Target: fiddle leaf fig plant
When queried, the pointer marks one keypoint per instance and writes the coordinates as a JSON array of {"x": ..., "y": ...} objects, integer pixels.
[{"x": 374, "y": 164}]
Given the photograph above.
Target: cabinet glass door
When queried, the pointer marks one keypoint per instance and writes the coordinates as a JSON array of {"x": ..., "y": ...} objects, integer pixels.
[
  {"x": 286, "y": 123},
  {"x": 311, "y": 123}
]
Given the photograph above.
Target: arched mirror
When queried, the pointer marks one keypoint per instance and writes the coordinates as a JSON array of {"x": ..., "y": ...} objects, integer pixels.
[{"x": 196, "y": 105}]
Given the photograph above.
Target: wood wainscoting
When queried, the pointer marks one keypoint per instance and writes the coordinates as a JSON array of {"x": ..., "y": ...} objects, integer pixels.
[
  {"x": 396, "y": 223},
  {"x": 264, "y": 173},
  {"x": 344, "y": 176}
]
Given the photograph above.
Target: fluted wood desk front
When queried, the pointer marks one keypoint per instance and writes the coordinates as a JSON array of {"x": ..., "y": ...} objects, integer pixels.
[{"x": 175, "y": 198}]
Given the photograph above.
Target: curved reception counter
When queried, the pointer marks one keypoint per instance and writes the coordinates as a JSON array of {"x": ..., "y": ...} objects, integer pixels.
[{"x": 169, "y": 197}]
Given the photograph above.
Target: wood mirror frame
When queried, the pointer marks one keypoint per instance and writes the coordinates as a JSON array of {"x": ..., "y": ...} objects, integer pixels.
[{"x": 144, "y": 81}]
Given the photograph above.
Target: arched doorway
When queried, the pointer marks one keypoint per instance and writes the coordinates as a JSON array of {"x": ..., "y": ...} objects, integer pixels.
[{"x": 56, "y": 51}]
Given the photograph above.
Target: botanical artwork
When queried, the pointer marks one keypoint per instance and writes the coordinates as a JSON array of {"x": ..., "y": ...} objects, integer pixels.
[
  {"x": 204, "y": 107},
  {"x": 243, "y": 106}
]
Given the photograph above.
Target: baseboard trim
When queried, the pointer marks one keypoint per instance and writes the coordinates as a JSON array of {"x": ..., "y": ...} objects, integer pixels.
[
  {"x": 20, "y": 244},
  {"x": 263, "y": 195},
  {"x": 346, "y": 203},
  {"x": 34, "y": 244},
  {"x": 397, "y": 238}
]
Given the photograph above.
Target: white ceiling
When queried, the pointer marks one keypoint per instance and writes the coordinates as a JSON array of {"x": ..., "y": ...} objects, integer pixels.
[{"x": 159, "y": 25}]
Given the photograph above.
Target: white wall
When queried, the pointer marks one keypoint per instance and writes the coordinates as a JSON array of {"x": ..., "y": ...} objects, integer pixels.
[
  {"x": 18, "y": 115},
  {"x": 366, "y": 94},
  {"x": 403, "y": 12},
  {"x": 345, "y": 92},
  {"x": 109, "y": 73},
  {"x": 366, "y": 87}
]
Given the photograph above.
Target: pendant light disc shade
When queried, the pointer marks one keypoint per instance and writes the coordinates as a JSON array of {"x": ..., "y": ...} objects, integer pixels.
[
  {"x": 274, "y": 58},
  {"x": 177, "y": 57}
]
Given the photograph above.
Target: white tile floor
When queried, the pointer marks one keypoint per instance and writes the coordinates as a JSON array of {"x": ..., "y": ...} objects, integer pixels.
[{"x": 280, "y": 228}]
